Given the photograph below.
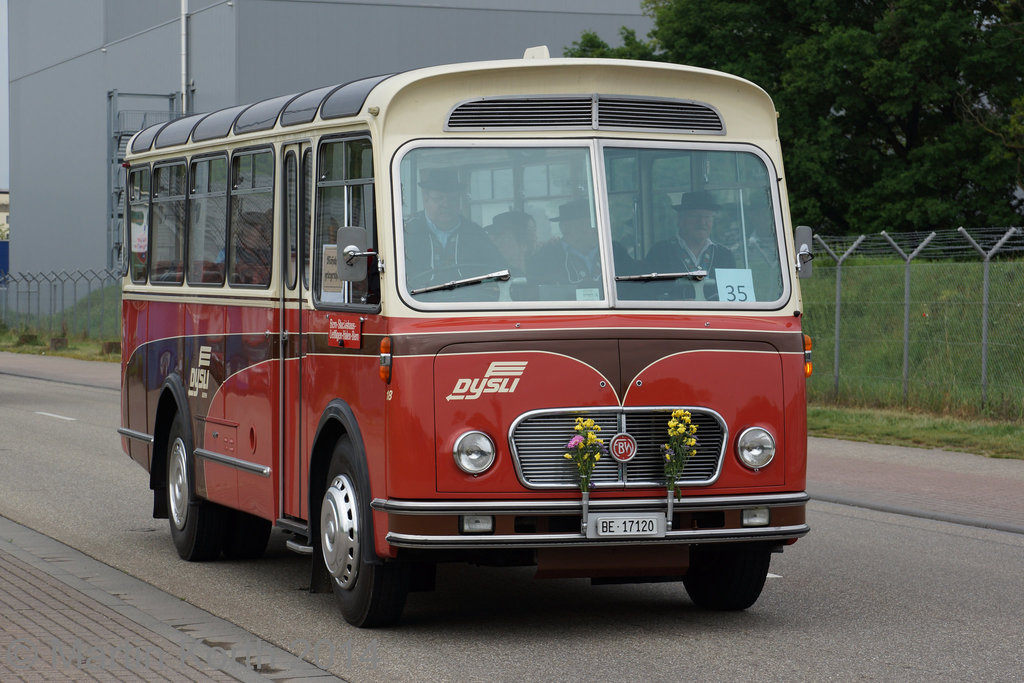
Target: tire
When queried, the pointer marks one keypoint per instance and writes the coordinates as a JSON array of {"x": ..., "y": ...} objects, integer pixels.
[
  {"x": 369, "y": 593},
  {"x": 245, "y": 535},
  {"x": 197, "y": 526},
  {"x": 726, "y": 578}
]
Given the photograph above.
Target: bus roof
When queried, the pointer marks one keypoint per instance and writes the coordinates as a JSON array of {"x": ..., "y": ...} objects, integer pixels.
[{"x": 347, "y": 99}]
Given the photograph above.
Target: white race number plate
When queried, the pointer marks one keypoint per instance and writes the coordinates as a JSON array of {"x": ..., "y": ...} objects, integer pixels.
[{"x": 607, "y": 526}]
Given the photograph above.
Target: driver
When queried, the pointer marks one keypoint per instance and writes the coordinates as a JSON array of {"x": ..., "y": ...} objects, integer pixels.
[{"x": 440, "y": 243}]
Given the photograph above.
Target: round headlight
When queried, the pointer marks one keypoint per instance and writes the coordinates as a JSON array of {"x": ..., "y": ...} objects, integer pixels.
[
  {"x": 473, "y": 452},
  {"x": 755, "y": 448}
]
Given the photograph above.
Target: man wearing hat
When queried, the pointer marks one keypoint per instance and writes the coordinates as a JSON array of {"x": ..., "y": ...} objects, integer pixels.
[
  {"x": 440, "y": 244},
  {"x": 515, "y": 235},
  {"x": 575, "y": 257},
  {"x": 692, "y": 248}
]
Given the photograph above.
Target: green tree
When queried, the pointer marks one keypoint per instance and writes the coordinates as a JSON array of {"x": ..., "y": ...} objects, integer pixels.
[{"x": 894, "y": 114}]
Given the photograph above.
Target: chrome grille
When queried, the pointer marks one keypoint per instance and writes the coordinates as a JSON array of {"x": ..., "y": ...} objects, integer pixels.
[
  {"x": 539, "y": 439},
  {"x": 586, "y": 112}
]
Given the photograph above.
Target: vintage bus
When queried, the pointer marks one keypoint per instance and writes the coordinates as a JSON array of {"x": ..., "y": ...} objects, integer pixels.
[{"x": 377, "y": 316}]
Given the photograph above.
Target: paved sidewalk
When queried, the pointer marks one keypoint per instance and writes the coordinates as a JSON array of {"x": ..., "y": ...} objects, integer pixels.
[{"x": 67, "y": 617}]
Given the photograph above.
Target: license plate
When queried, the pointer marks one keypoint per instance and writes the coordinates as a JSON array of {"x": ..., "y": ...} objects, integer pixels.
[{"x": 610, "y": 526}]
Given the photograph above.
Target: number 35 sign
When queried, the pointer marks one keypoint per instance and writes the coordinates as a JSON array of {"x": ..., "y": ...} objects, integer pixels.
[{"x": 735, "y": 284}]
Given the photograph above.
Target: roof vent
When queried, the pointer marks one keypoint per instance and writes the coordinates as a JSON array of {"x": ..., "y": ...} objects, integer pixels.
[
  {"x": 537, "y": 52},
  {"x": 586, "y": 112}
]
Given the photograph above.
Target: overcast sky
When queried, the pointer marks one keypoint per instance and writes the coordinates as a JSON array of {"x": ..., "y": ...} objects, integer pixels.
[{"x": 5, "y": 138}]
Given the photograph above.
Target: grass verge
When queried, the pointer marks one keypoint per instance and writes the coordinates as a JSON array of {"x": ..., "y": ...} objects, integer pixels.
[
  {"x": 903, "y": 428},
  {"x": 71, "y": 347}
]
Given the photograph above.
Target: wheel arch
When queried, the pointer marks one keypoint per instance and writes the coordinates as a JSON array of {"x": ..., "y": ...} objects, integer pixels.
[
  {"x": 173, "y": 400},
  {"x": 339, "y": 421}
]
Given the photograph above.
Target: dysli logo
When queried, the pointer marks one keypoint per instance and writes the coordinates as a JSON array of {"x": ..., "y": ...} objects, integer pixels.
[
  {"x": 199, "y": 378},
  {"x": 501, "y": 378}
]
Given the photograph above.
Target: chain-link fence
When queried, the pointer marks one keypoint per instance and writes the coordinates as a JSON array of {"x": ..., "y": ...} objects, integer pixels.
[
  {"x": 84, "y": 303},
  {"x": 922, "y": 320}
]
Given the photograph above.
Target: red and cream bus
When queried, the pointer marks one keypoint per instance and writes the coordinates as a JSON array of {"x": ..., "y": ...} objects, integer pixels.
[{"x": 377, "y": 315}]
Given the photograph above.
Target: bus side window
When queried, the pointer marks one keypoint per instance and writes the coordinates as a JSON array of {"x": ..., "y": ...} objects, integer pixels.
[
  {"x": 291, "y": 219},
  {"x": 306, "y": 212},
  {"x": 167, "y": 250},
  {"x": 138, "y": 222},
  {"x": 251, "y": 238},
  {"x": 207, "y": 221},
  {"x": 345, "y": 198}
]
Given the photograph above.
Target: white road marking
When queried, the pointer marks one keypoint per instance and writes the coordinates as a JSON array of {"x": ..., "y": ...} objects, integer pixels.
[
  {"x": 773, "y": 576},
  {"x": 59, "y": 417}
]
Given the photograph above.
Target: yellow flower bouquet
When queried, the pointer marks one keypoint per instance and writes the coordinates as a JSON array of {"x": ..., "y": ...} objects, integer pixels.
[{"x": 680, "y": 448}]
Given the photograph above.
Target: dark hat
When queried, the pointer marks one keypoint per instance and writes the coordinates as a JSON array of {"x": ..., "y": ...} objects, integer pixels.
[
  {"x": 701, "y": 201},
  {"x": 512, "y": 221},
  {"x": 578, "y": 209},
  {"x": 440, "y": 180}
]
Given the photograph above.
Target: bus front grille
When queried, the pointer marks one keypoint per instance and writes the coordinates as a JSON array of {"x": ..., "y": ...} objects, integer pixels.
[{"x": 538, "y": 441}]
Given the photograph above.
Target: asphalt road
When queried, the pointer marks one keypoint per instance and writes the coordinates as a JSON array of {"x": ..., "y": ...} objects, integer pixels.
[{"x": 867, "y": 595}]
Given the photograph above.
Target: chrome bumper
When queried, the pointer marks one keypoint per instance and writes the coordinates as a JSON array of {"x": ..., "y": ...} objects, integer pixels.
[{"x": 446, "y": 511}]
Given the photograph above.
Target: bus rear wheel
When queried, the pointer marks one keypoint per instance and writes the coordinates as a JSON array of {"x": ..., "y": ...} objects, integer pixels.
[
  {"x": 726, "y": 578},
  {"x": 369, "y": 593},
  {"x": 196, "y": 525}
]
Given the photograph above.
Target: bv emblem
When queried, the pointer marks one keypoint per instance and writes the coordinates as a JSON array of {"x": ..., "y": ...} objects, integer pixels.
[
  {"x": 199, "y": 378},
  {"x": 501, "y": 378},
  {"x": 622, "y": 447}
]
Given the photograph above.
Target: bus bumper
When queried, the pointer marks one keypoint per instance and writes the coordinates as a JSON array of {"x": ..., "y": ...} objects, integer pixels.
[{"x": 505, "y": 524}]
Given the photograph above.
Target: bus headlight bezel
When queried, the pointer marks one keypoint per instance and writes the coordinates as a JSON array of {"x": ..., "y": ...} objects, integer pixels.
[
  {"x": 755, "y": 448},
  {"x": 474, "y": 452}
]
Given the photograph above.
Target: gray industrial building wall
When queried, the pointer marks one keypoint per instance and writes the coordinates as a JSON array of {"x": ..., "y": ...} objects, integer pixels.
[{"x": 67, "y": 55}]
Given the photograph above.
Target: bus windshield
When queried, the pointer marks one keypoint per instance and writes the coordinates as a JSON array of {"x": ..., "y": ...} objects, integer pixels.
[{"x": 594, "y": 224}]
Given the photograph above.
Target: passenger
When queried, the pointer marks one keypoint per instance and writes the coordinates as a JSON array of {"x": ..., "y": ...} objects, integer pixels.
[
  {"x": 253, "y": 255},
  {"x": 575, "y": 257},
  {"x": 440, "y": 243},
  {"x": 515, "y": 235}
]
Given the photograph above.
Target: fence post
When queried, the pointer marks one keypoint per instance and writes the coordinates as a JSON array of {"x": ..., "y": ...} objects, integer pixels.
[
  {"x": 88, "y": 277},
  {"x": 75, "y": 277},
  {"x": 906, "y": 304},
  {"x": 3, "y": 310},
  {"x": 839, "y": 276},
  {"x": 39, "y": 301},
  {"x": 53, "y": 301},
  {"x": 987, "y": 256}
]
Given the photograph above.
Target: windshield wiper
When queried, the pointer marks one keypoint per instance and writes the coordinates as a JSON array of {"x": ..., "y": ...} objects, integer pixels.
[
  {"x": 696, "y": 275},
  {"x": 498, "y": 275}
]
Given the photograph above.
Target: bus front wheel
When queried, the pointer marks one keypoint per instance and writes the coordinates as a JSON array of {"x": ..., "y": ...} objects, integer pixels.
[
  {"x": 370, "y": 593},
  {"x": 196, "y": 525},
  {"x": 726, "y": 578}
]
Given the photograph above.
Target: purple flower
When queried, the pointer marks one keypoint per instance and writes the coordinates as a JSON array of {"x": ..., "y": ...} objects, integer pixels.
[{"x": 575, "y": 441}]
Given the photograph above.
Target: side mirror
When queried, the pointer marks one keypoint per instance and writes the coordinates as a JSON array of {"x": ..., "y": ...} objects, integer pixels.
[
  {"x": 803, "y": 236},
  {"x": 351, "y": 254}
]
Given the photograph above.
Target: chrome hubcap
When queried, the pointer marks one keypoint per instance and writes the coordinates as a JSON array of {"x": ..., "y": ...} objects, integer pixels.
[
  {"x": 339, "y": 531},
  {"x": 177, "y": 484}
]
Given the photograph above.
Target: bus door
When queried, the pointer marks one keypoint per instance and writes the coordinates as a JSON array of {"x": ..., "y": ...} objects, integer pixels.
[{"x": 296, "y": 174}]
